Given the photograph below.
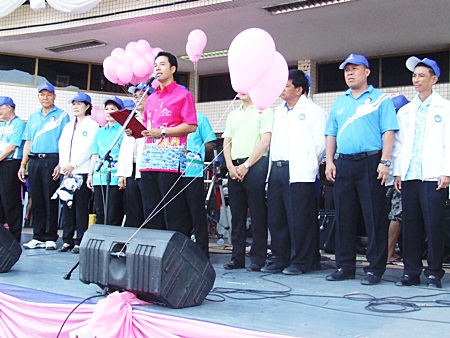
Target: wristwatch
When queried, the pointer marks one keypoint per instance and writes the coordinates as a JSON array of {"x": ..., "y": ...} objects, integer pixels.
[
  {"x": 387, "y": 163},
  {"x": 163, "y": 132},
  {"x": 246, "y": 165}
]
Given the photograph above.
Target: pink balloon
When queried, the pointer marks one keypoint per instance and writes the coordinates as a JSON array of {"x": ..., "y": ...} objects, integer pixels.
[
  {"x": 197, "y": 41},
  {"x": 140, "y": 67},
  {"x": 192, "y": 56},
  {"x": 250, "y": 56},
  {"x": 111, "y": 75},
  {"x": 130, "y": 45},
  {"x": 109, "y": 68},
  {"x": 124, "y": 73},
  {"x": 131, "y": 55},
  {"x": 143, "y": 47},
  {"x": 270, "y": 87},
  {"x": 156, "y": 50},
  {"x": 110, "y": 61},
  {"x": 118, "y": 53},
  {"x": 150, "y": 58},
  {"x": 98, "y": 115}
]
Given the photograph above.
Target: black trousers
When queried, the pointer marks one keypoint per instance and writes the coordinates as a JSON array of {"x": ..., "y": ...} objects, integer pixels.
[
  {"x": 292, "y": 220},
  {"x": 357, "y": 185},
  {"x": 76, "y": 217},
  {"x": 195, "y": 199},
  {"x": 44, "y": 210},
  {"x": 115, "y": 205},
  {"x": 249, "y": 194},
  {"x": 134, "y": 207},
  {"x": 423, "y": 217},
  {"x": 160, "y": 189},
  {"x": 11, "y": 208}
]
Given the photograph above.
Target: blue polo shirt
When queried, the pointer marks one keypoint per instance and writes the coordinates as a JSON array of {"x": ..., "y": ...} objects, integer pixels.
[
  {"x": 44, "y": 131},
  {"x": 12, "y": 133},
  {"x": 195, "y": 157},
  {"x": 103, "y": 140},
  {"x": 358, "y": 123}
]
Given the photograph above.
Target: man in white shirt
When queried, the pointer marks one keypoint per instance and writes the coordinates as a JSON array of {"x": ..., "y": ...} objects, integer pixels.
[
  {"x": 422, "y": 173},
  {"x": 297, "y": 148}
]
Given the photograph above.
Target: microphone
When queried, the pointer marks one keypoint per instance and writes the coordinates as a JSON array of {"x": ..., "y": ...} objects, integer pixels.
[{"x": 152, "y": 78}]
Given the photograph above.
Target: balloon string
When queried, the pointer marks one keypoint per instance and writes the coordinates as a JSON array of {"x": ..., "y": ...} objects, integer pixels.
[{"x": 156, "y": 210}]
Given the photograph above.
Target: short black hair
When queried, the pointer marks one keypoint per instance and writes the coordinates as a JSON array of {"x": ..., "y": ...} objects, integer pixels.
[
  {"x": 299, "y": 79},
  {"x": 113, "y": 103},
  {"x": 421, "y": 64},
  {"x": 172, "y": 59}
]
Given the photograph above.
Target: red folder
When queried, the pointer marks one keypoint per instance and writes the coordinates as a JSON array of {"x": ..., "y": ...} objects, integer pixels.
[{"x": 136, "y": 127}]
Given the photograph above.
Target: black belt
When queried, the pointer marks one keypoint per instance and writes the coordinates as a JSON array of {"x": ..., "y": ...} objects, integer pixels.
[
  {"x": 359, "y": 156},
  {"x": 280, "y": 163},
  {"x": 40, "y": 156},
  {"x": 239, "y": 161}
]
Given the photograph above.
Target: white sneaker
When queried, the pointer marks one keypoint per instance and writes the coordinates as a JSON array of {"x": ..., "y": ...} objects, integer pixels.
[
  {"x": 34, "y": 244},
  {"x": 50, "y": 245}
]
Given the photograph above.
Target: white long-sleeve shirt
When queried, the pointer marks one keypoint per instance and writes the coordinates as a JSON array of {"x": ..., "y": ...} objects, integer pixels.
[
  {"x": 75, "y": 144},
  {"x": 125, "y": 161},
  {"x": 436, "y": 142},
  {"x": 302, "y": 131}
]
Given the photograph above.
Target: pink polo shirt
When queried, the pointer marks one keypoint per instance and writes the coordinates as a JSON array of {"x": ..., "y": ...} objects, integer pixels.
[{"x": 169, "y": 107}]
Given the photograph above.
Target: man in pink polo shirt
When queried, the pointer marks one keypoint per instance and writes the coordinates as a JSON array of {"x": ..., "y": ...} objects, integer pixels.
[{"x": 169, "y": 115}]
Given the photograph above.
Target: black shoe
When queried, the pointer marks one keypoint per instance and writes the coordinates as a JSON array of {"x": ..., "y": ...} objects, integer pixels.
[
  {"x": 407, "y": 280},
  {"x": 292, "y": 271},
  {"x": 233, "y": 265},
  {"x": 65, "y": 247},
  {"x": 254, "y": 267},
  {"x": 434, "y": 282},
  {"x": 273, "y": 267},
  {"x": 75, "y": 250},
  {"x": 340, "y": 274},
  {"x": 370, "y": 279}
]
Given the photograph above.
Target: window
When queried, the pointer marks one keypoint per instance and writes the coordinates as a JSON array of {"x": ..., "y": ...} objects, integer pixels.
[
  {"x": 100, "y": 83},
  {"x": 69, "y": 75},
  {"x": 182, "y": 79},
  {"x": 395, "y": 73},
  {"x": 331, "y": 78},
  {"x": 17, "y": 69},
  {"x": 215, "y": 87}
]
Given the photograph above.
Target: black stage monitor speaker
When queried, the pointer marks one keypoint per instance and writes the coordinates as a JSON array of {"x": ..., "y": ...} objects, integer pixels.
[
  {"x": 162, "y": 267},
  {"x": 10, "y": 250}
]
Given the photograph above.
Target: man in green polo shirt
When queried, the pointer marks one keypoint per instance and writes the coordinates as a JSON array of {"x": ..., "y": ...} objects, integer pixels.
[{"x": 246, "y": 140}]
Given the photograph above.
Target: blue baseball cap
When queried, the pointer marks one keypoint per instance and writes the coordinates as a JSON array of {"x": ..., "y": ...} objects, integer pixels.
[
  {"x": 114, "y": 99},
  {"x": 142, "y": 87},
  {"x": 128, "y": 104},
  {"x": 399, "y": 101},
  {"x": 7, "y": 100},
  {"x": 46, "y": 86},
  {"x": 81, "y": 97},
  {"x": 355, "y": 59},
  {"x": 413, "y": 61}
]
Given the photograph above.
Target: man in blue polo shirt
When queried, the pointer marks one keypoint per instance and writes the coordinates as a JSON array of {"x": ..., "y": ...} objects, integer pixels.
[
  {"x": 198, "y": 143},
  {"x": 41, "y": 137},
  {"x": 11, "y": 147},
  {"x": 360, "y": 134}
]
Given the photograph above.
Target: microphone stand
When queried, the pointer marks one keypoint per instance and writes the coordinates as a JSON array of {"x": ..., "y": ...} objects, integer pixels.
[{"x": 107, "y": 156}]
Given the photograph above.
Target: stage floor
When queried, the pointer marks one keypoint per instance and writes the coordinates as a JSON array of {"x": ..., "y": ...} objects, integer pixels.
[{"x": 300, "y": 306}]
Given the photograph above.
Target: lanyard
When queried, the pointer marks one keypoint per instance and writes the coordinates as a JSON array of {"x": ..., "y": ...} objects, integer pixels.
[{"x": 71, "y": 140}]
